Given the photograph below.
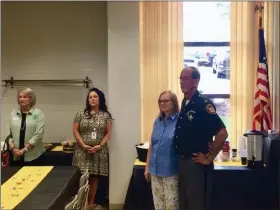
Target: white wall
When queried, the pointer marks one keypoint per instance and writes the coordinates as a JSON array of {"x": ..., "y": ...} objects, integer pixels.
[
  {"x": 124, "y": 93},
  {"x": 54, "y": 40},
  {"x": 59, "y": 40}
]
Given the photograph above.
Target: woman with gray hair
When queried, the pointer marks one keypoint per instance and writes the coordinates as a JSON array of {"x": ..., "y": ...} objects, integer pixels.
[
  {"x": 161, "y": 164},
  {"x": 27, "y": 128}
]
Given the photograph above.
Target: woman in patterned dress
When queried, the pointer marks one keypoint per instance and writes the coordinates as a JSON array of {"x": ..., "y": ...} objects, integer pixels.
[{"x": 92, "y": 128}]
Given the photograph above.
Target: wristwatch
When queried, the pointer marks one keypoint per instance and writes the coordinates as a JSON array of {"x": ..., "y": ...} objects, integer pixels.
[{"x": 25, "y": 149}]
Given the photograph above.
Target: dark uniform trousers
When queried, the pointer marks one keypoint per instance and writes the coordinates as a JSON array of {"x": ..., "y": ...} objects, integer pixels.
[
  {"x": 195, "y": 185},
  {"x": 198, "y": 122}
]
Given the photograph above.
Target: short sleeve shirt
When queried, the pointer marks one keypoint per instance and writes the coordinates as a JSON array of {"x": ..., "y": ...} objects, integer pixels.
[{"x": 197, "y": 124}]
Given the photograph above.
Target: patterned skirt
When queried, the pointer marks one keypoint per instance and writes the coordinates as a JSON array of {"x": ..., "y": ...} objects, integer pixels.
[{"x": 96, "y": 163}]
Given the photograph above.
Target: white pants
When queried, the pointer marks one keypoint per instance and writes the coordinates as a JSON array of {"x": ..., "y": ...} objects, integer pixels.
[{"x": 165, "y": 192}]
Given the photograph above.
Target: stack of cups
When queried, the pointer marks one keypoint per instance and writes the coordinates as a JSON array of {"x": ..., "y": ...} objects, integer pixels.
[{"x": 243, "y": 149}]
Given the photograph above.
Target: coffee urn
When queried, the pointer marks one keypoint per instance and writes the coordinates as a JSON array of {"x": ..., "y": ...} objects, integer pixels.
[{"x": 255, "y": 141}]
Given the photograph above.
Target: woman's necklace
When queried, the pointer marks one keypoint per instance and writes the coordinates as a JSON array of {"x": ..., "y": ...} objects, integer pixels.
[{"x": 23, "y": 127}]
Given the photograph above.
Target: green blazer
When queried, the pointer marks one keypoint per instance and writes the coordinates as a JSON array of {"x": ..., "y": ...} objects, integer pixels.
[{"x": 33, "y": 133}]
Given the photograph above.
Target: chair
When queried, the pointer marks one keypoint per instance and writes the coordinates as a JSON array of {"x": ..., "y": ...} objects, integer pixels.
[
  {"x": 72, "y": 204},
  {"x": 86, "y": 197},
  {"x": 83, "y": 179},
  {"x": 82, "y": 196}
]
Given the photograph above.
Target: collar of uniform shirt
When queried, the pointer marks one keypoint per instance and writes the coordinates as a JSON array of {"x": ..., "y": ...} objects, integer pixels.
[{"x": 194, "y": 96}]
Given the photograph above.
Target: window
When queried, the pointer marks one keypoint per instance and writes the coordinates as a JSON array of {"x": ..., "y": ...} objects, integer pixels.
[
  {"x": 207, "y": 46},
  {"x": 223, "y": 107},
  {"x": 213, "y": 64},
  {"x": 206, "y": 21}
]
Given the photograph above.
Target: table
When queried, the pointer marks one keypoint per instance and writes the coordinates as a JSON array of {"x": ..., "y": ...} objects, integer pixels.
[
  {"x": 236, "y": 188},
  {"x": 52, "y": 193},
  {"x": 56, "y": 157}
]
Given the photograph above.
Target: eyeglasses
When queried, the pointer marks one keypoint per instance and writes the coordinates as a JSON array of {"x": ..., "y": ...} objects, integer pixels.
[
  {"x": 163, "y": 101},
  {"x": 186, "y": 78}
]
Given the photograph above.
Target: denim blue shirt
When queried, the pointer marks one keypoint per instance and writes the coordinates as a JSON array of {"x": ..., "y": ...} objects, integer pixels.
[{"x": 163, "y": 160}]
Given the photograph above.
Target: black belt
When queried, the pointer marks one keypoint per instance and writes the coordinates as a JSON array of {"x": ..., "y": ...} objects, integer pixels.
[{"x": 184, "y": 157}]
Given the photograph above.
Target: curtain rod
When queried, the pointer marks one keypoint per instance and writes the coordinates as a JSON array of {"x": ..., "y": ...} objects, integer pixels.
[{"x": 19, "y": 83}]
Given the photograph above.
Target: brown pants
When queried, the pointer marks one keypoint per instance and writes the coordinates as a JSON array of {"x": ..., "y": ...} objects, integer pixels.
[{"x": 195, "y": 185}]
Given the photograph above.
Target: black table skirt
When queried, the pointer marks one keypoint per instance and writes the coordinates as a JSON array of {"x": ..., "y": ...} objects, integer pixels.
[
  {"x": 235, "y": 188},
  {"x": 57, "y": 158},
  {"x": 52, "y": 193}
]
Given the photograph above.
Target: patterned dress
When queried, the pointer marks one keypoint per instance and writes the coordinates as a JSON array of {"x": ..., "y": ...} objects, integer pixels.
[{"x": 95, "y": 163}]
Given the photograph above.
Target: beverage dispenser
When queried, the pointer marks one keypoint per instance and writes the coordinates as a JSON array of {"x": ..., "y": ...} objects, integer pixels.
[{"x": 255, "y": 143}]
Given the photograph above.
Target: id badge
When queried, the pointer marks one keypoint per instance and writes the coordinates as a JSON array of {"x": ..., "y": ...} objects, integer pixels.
[{"x": 93, "y": 135}]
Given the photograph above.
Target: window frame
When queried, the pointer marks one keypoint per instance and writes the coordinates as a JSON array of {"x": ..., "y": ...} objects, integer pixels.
[
  {"x": 206, "y": 44},
  {"x": 210, "y": 44}
]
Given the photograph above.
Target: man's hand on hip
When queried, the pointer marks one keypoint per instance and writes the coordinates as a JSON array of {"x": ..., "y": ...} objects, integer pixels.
[{"x": 202, "y": 158}]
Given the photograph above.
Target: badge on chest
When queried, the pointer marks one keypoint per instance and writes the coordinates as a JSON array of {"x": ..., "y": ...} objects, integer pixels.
[
  {"x": 16, "y": 118},
  {"x": 190, "y": 115},
  {"x": 94, "y": 134}
]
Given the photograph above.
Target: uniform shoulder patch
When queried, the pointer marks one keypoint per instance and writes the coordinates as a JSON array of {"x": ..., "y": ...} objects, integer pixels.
[{"x": 210, "y": 109}]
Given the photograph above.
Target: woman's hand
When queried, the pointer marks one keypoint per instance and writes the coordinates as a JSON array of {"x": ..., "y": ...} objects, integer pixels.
[
  {"x": 17, "y": 153},
  {"x": 147, "y": 175},
  {"x": 22, "y": 151},
  {"x": 86, "y": 147},
  {"x": 94, "y": 149}
]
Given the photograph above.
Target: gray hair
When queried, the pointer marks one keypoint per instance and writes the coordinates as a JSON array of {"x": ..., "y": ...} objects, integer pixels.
[
  {"x": 195, "y": 72},
  {"x": 29, "y": 92}
]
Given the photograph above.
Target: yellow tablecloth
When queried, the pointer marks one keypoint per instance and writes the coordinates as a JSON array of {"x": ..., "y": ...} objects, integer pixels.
[
  {"x": 139, "y": 163},
  {"x": 21, "y": 185},
  {"x": 229, "y": 163},
  {"x": 216, "y": 163},
  {"x": 57, "y": 149}
]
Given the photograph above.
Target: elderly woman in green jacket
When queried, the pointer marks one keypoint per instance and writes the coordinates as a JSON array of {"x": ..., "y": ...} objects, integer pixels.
[{"x": 27, "y": 129}]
